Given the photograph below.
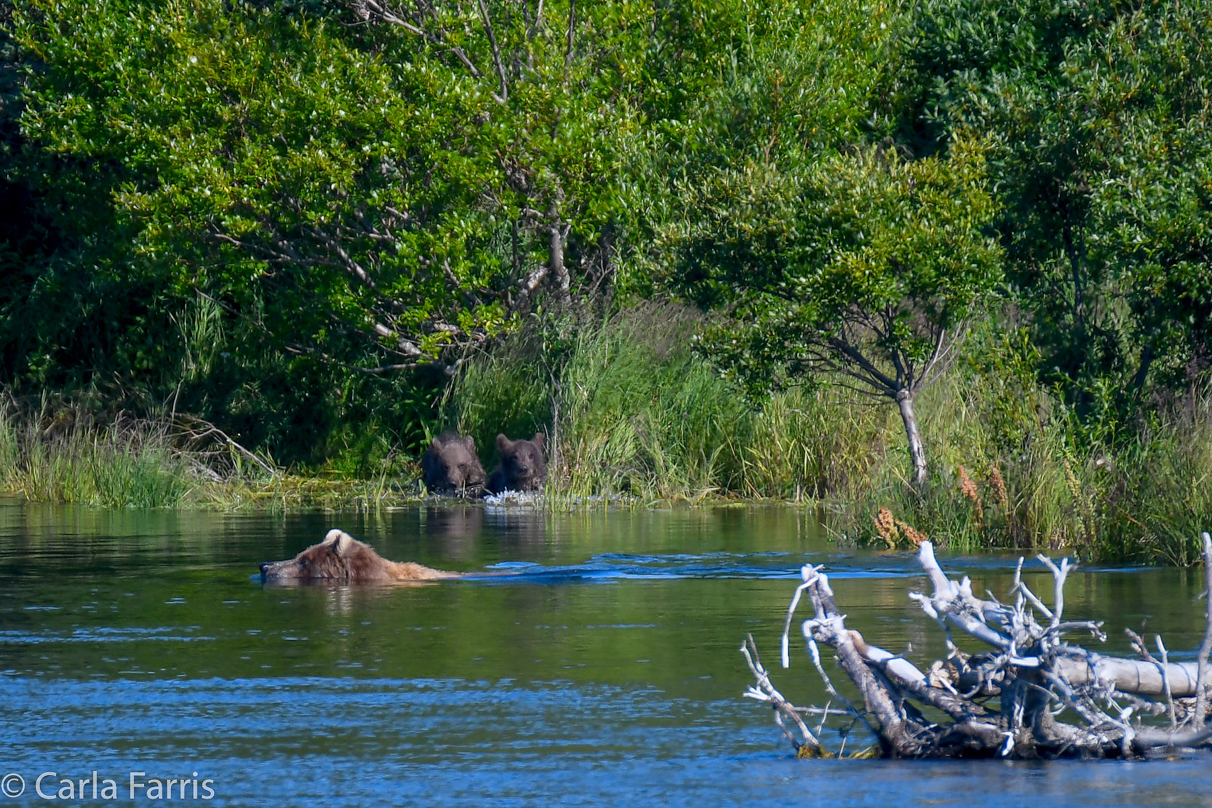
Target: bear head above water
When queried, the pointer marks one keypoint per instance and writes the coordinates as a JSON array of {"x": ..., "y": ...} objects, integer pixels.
[
  {"x": 522, "y": 465},
  {"x": 450, "y": 465},
  {"x": 342, "y": 558}
]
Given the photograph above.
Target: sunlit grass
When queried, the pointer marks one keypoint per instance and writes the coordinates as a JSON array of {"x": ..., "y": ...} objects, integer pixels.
[
  {"x": 59, "y": 455},
  {"x": 126, "y": 464}
]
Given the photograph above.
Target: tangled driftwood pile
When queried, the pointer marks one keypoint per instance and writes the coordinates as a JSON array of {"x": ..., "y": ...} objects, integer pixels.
[{"x": 1033, "y": 694}]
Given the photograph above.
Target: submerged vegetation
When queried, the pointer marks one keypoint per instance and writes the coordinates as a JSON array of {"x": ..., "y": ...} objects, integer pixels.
[{"x": 936, "y": 268}]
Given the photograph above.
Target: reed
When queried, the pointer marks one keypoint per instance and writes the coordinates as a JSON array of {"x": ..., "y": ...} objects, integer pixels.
[
  {"x": 1155, "y": 494},
  {"x": 9, "y": 447}
]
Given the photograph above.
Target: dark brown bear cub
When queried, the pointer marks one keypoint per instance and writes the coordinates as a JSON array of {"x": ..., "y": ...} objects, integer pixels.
[
  {"x": 450, "y": 465},
  {"x": 522, "y": 465}
]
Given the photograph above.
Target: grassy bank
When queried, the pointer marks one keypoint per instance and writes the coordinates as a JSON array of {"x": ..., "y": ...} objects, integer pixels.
[
  {"x": 61, "y": 454},
  {"x": 632, "y": 411}
]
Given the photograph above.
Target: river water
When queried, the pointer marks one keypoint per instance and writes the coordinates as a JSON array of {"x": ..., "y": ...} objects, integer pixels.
[{"x": 605, "y": 672}]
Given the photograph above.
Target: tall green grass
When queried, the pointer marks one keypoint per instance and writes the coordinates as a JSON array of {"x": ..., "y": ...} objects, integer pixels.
[
  {"x": 59, "y": 453},
  {"x": 630, "y": 410},
  {"x": 9, "y": 449},
  {"x": 130, "y": 463},
  {"x": 507, "y": 391},
  {"x": 639, "y": 414}
]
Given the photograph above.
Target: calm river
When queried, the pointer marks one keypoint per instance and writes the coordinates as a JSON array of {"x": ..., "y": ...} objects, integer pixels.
[{"x": 605, "y": 673}]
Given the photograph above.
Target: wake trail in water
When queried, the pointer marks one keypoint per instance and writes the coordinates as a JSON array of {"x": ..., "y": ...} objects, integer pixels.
[
  {"x": 773, "y": 565},
  {"x": 608, "y": 567}
]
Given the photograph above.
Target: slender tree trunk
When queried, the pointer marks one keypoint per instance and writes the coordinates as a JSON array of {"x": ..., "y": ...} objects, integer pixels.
[
  {"x": 558, "y": 272},
  {"x": 917, "y": 451},
  {"x": 1142, "y": 373}
]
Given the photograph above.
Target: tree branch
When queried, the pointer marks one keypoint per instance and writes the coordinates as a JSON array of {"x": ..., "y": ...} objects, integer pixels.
[
  {"x": 388, "y": 16},
  {"x": 1205, "y": 647},
  {"x": 572, "y": 21},
  {"x": 1037, "y": 674},
  {"x": 503, "y": 96}
]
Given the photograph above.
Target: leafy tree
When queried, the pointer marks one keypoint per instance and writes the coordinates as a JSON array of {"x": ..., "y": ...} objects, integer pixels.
[
  {"x": 824, "y": 252},
  {"x": 1099, "y": 118},
  {"x": 373, "y": 196},
  {"x": 865, "y": 264}
]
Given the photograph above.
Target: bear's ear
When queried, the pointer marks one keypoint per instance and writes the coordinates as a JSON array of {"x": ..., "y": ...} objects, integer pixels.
[
  {"x": 435, "y": 444},
  {"x": 503, "y": 444},
  {"x": 470, "y": 443},
  {"x": 343, "y": 543},
  {"x": 340, "y": 541},
  {"x": 537, "y": 440}
]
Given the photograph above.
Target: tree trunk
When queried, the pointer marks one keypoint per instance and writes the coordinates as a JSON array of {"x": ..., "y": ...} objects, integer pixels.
[
  {"x": 558, "y": 272},
  {"x": 917, "y": 451}
]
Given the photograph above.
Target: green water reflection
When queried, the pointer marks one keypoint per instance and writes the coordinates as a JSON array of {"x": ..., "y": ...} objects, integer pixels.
[
  {"x": 631, "y": 618},
  {"x": 655, "y": 597}
]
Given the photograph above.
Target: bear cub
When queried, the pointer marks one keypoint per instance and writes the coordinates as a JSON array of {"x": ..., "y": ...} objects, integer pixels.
[
  {"x": 522, "y": 465},
  {"x": 450, "y": 465}
]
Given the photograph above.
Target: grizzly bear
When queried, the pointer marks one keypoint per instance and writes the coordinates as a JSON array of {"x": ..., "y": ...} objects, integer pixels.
[
  {"x": 522, "y": 465},
  {"x": 341, "y": 557},
  {"x": 450, "y": 465}
]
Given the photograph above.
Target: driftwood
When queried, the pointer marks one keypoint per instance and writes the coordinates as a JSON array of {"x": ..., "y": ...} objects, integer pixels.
[{"x": 1032, "y": 694}]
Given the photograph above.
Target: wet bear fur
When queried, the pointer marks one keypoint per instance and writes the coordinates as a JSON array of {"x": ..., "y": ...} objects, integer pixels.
[
  {"x": 450, "y": 465},
  {"x": 343, "y": 559},
  {"x": 522, "y": 466}
]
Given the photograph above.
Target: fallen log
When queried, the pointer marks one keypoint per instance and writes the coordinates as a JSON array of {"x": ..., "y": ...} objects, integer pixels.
[
  {"x": 1006, "y": 702},
  {"x": 1130, "y": 675}
]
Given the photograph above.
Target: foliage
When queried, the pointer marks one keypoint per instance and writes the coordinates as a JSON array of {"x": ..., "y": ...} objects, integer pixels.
[
  {"x": 856, "y": 264},
  {"x": 503, "y": 392},
  {"x": 641, "y": 415},
  {"x": 1099, "y": 120},
  {"x": 829, "y": 248},
  {"x": 58, "y": 453},
  {"x": 267, "y": 215},
  {"x": 332, "y": 228},
  {"x": 125, "y": 465},
  {"x": 347, "y": 194},
  {"x": 862, "y": 264}
]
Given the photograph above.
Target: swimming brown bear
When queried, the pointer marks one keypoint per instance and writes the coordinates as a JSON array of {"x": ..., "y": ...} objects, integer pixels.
[
  {"x": 522, "y": 465},
  {"x": 450, "y": 465},
  {"x": 342, "y": 558}
]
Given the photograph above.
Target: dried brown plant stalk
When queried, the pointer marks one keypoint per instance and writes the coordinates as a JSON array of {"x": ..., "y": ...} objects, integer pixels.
[
  {"x": 913, "y": 535},
  {"x": 885, "y": 525},
  {"x": 968, "y": 489}
]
